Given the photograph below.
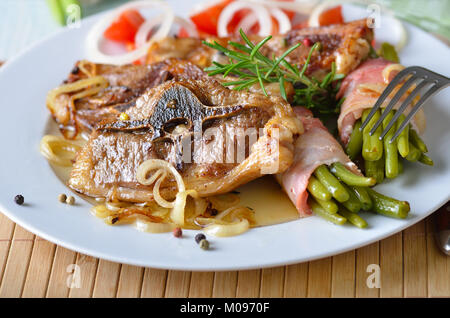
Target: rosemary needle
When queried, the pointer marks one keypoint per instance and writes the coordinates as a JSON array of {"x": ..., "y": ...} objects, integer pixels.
[{"x": 250, "y": 66}]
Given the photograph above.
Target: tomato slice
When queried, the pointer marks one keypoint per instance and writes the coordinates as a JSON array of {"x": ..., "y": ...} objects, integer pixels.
[
  {"x": 125, "y": 27},
  {"x": 331, "y": 16},
  {"x": 206, "y": 20},
  {"x": 275, "y": 27},
  {"x": 183, "y": 33}
]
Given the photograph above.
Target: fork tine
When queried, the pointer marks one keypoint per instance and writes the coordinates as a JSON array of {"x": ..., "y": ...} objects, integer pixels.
[
  {"x": 433, "y": 90},
  {"x": 386, "y": 93},
  {"x": 402, "y": 108},
  {"x": 392, "y": 103}
]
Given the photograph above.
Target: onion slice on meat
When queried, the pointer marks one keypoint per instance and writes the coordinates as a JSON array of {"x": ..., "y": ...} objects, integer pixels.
[
  {"x": 96, "y": 33},
  {"x": 262, "y": 15},
  {"x": 162, "y": 169}
]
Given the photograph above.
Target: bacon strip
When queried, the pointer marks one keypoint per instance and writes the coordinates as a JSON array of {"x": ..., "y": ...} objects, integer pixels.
[
  {"x": 316, "y": 146},
  {"x": 358, "y": 96}
]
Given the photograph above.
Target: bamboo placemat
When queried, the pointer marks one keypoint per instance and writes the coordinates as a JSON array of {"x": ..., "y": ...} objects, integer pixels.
[{"x": 410, "y": 266}]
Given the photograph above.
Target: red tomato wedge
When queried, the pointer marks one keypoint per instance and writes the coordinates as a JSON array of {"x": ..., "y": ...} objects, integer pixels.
[
  {"x": 275, "y": 28},
  {"x": 331, "y": 16},
  {"x": 125, "y": 27},
  {"x": 206, "y": 20},
  {"x": 183, "y": 33}
]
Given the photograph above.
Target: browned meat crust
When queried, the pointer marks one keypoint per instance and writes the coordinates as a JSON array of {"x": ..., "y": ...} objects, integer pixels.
[
  {"x": 106, "y": 166},
  {"x": 126, "y": 83},
  {"x": 346, "y": 44}
]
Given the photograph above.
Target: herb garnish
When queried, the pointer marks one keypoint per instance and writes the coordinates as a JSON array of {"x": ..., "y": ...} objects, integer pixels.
[{"x": 250, "y": 66}]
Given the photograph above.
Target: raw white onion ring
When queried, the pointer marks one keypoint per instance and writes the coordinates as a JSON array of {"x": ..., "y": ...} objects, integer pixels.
[
  {"x": 284, "y": 24},
  {"x": 92, "y": 40},
  {"x": 188, "y": 26},
  {"x": 203, "y": 6},
  {"x": 302, "y": 6},
  {"x": 315, "y": 14},
  {"x": 260, "y": 11},
  {"x": 314, "y": 19},
  {"x": 247, "y": 22},
  {"x": 148, "y": 25}
]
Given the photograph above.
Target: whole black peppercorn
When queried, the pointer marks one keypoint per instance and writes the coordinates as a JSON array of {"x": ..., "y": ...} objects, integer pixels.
[
  {"x": 19, "y": 199},
  {"x": 199, "y": 237}
]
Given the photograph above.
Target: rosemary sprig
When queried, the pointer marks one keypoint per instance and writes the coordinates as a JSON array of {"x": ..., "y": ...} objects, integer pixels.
[{"x": 250, "y": 66}]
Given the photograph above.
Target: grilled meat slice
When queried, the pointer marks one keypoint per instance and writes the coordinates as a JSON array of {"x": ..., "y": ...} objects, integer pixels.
[
  {"x": 125, "y": 84},
  {"x": 345, "y": 44},
  {"x": 215, "y": 137}
]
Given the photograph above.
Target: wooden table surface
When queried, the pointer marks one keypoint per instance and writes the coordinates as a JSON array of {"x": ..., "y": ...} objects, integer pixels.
[{"x": 410, "y": 265}]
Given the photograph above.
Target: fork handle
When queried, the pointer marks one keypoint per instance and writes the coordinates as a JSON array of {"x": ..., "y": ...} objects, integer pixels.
[{"x": 442, "y": 228}]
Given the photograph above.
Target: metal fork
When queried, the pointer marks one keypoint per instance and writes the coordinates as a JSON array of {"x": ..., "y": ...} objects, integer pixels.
[{"x": 416, "y": 75}]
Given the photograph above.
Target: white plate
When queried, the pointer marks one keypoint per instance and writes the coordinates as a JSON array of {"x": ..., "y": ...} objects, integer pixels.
[{"x": 24, "y": 83}]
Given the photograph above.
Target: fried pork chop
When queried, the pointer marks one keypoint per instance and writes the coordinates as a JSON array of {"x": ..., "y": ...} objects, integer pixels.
[
  {"x": 345, "y": 44},
  {"x": 163, "y": 125},
  {"x": 125, "y": 84}
]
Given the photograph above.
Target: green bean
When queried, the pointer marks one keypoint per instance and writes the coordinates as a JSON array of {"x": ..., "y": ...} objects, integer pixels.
[
  {"x": 400, "y": 166},
  {"x": 354, "y": 145},
  {"x": 352, "y": 203},
  {"x": 353, "y": 218},
  {"x": 363, "y": 197},
  {"x": 332, "y": 217},
  {"x": 348, "y": 177},
  {"x": 330, "y": 206},
  {"x": 403, "y": 138},
  {"x": 56, "y": 11},
  {"x": 331, "y": 183},
  {"x": 414, "y": 153},
  {"x": 375, "y": 169},
  {"x": 372, "y": 148},
  {"x": 426, "y": 160},
  {"x": 388, "y": 206},
  {"x": 417, "y": 141},
  {"x": 388, "y": 52},
  {"x": 390, "y": 149},
  {"x": 318, "y": 190}
]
